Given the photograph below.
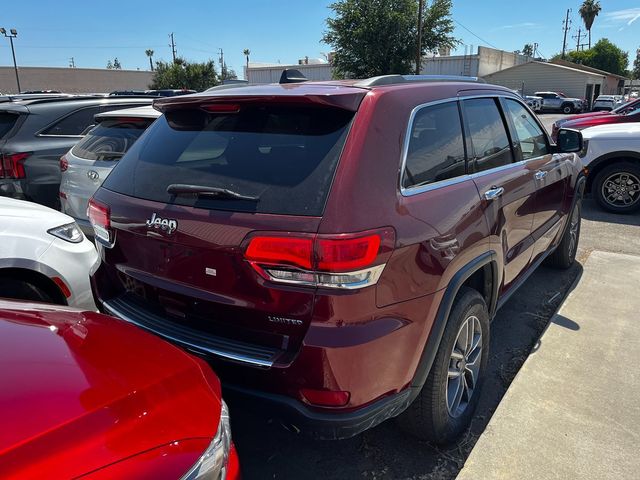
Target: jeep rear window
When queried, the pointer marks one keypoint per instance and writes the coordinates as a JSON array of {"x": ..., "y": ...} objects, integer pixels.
[
  {"x": 110, "y": 139},
  {"x": 7, "y": 121},
  {"x": 284, "y": 155}
]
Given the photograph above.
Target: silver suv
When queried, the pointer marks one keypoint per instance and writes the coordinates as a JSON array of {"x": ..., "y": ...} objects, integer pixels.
[
  {"x": 559, "y": 102},
  {"x": 88, "y": 163}
]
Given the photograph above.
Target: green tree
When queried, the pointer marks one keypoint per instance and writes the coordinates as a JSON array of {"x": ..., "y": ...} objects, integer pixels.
[
  {"x": 636, "y": 66},
  {"x": 379, "y": 37},
  {"x": 604, "y": 55},
  {"x": 149, "y": 54},
  {"x": 589, "y": 10},
  {"x": 527, "y": 50},
  {"x": 116, "y": 64},
  {"x": 184, "y": 74},
  {"x": 109, "y": 65}
]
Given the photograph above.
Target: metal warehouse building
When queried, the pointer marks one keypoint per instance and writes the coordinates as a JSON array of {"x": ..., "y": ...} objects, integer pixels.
[{"x": 574, "y": 81}]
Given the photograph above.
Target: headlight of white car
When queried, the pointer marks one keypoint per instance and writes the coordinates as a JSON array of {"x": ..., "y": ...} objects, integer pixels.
[
  {"x": 213, "y": 462},
  {"x": 69, "y": 232}
]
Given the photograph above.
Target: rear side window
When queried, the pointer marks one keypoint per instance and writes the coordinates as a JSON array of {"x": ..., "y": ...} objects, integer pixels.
[
  {"x": 111, "y": 139},
  {"x": 436, "y": 146},
  {"x": 528, "y": 137},
  {"x": 7, "y": 121},
  {"x": 73, "y": 124},
  {"x": 284, "y": 157},
  {"x": 489, "y": 142}
]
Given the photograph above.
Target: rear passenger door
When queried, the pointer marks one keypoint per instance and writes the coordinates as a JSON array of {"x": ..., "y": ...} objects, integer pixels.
[
  {"x": 550, "y": 173},
  {"x": 507, "y": 188}
]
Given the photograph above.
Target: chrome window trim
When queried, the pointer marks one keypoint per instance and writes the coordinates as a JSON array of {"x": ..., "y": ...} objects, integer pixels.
[{"x": 416, "y": 190}]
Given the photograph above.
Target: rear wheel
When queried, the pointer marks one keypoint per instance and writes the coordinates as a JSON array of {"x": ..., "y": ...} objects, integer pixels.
[
  {"x": 23, "y": 290},
  {"x": 445, "y": 405},
  {"x": 616, "y": 188},
  {"x": 567, "y": 108}
]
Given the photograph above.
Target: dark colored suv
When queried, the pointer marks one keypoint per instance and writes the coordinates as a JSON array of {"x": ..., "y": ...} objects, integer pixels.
[
  {"x": 36, "y": 132},
  {"x": 337, "y": 249}
]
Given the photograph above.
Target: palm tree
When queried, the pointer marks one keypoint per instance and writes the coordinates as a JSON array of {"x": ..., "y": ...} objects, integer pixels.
[
  {"x": 589, "y": 10},
  {"x": 246, "y": 52},
  {"x": 149, "y": 53}
]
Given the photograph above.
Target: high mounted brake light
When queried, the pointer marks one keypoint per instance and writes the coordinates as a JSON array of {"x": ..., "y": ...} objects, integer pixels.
[
  {"x": 221, "y": 107},
  {"x": 332, "y": 261}
]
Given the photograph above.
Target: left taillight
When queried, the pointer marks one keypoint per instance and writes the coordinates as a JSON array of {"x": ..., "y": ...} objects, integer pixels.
[
  {"x": 100, "y": 217},
  {"x": 346, "y": 261},
  {"x": 13, "y": 165}
]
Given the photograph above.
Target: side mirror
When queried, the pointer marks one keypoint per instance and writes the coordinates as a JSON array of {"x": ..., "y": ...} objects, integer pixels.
[{"x": 569, "y": 141}]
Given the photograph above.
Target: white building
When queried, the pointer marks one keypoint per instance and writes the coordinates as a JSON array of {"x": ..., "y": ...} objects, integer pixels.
[
  {"x": 485, "y": 62},
  {"x": 270, "y": 72}
]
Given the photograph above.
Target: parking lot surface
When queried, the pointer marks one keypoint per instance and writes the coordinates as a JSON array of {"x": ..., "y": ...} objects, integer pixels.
[
  {"x": 573, "y": 399},
  {"x": 268, "y": 451}
]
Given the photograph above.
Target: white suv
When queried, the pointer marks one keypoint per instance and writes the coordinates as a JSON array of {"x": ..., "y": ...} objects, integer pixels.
[{"x": 611, "y": 155}]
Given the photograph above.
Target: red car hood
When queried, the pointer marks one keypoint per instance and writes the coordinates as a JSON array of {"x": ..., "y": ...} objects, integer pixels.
[
  {"x": 587, "y": 115},
  {"x": 81, "y": 391},
  {"x": 593, "y": 120}
]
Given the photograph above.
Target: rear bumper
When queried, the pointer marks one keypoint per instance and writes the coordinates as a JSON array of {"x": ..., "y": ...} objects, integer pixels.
[
  {"x": 11, "y": 188},
  {"x": 323, "y": 425}
]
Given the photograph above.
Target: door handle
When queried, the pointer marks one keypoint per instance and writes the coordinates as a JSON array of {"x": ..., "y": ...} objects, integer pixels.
[
  {"x": 540, "y": 174},
  {"x": 494, "y": 193}
]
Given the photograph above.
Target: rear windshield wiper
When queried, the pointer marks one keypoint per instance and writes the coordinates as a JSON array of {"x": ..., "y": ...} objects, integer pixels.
[{"x": 204, "y": 191}]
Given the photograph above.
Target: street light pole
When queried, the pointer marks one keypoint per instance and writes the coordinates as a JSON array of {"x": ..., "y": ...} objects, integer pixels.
[{"x": 13, "y": 34}]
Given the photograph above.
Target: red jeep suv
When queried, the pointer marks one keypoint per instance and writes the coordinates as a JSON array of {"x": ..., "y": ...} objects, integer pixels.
[{"x": 337, "y": 249}]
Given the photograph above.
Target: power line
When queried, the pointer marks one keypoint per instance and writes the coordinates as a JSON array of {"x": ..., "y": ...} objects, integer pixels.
[{"x": 477, "y": 36}]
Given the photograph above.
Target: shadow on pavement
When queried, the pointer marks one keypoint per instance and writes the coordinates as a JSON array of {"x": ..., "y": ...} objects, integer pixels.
[{"x": 596, "y": 214}]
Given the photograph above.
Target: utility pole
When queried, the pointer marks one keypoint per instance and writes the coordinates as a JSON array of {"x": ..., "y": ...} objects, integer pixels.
[
  {"x": 578, "y": 38},
  {"x": 566, "y": 25},
  {"x": 221, "y": 61},
  {"x": 419, "y": 50},
  {"x": 173, "y": 47},
  {"x": 72, "y": 63},
  {"x": 13, "y": 33}
]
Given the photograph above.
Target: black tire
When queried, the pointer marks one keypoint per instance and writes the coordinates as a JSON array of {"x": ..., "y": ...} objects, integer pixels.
[
  {"x": 23, "y": 290},
  {"x": 607, "y": 177},
  {"x": 567, "y": 108},
  {"x": 429, "y": 417},
  {"x": 565, "y": 253}
]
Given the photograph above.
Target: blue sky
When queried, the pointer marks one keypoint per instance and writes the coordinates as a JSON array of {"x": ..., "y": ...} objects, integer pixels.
[{"x": 51, "y": 32}]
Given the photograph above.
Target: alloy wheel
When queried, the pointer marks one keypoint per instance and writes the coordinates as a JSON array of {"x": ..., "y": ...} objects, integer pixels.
[
  {"x": 621, "y": 189},
  {"x": 574, "y": 228},
  {"x": 464, "y": 366}
]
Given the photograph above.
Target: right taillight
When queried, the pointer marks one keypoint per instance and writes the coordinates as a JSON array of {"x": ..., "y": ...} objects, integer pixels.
[
  {"x": 64, "y": 163},
  {"x": 13, "y": 165},
  {"x": 346, "y": 261},
  {"x": 100, "y": 217}
]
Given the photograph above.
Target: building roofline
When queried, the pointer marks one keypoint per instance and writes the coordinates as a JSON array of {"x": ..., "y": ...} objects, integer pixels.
[
  {"x": 548, "y": 64},
  {"x": 585, "y": 68},
  {"x": 77, "y": 68}
]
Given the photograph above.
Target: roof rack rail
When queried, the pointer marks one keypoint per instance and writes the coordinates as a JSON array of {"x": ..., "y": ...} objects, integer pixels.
[{"x": 395, "y": 79}]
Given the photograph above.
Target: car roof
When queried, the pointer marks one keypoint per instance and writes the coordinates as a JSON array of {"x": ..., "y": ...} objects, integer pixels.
[{"x": 143, "y": 112}]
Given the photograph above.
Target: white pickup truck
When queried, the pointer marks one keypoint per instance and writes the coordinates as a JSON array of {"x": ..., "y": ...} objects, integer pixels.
[{"x": 559, "y": 102}]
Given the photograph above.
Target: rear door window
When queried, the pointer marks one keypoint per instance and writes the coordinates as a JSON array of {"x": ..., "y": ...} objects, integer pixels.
[
  {"x": 284, "y": 157},
  {"x": 436, "y": 146},
  {"x": 110, "y": 139},
  {"x": 490, "y": 147},
  {"x": 73, "y": 124}
]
